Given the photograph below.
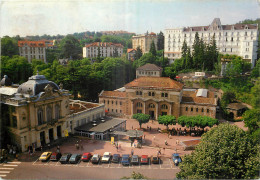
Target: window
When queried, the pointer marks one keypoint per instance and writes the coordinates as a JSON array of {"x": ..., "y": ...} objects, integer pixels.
[
  {"x": 49, "y": 113},
  {"x": 139, "y": 104},
  {"x": 120, "y": 103},
  {"x": 202, "y": 110},
  {"x": 231, "y": 49},
  {"x": 191, "y": 109},
  {"x": 107, "y": 101},
  {"x": 164, "y": 106},
  {"x": 14, "y": 121},
  {"x": 40, "y": 116},
  {"x": 116, "y": 102},
  {"x": 120, "y": 111},
  {"x": 232, "y": 39},
  {"x": 207, "y": 110},
  {"x": 166, "y": 94},
  {"x": 149, "y": 94},
  {"x": 112, "y": 110},
  {"x": 151, "y": 105},
  {"x": 112, "y": 102},
  {"x": 162, "y": 94},
  {"x": 104, "y": 101},
  {"x": 245, "y": 33},
  {"x": 153, "y": 93},
  {"x": 197, "y": 109},
  {"x": 186, "y": 108},
  {"x": 108, "y": 109},
  {"x": 137, "y": 92},
  {"x": 57, "y": 111},
  {"x": 246, "y": 56}
]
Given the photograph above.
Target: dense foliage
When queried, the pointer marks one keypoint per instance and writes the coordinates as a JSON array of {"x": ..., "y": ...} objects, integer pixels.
[
  {"x": 225, "y": 152},
  {"x": 141, "y": 118},
  {"x": 135, "y": 175},
  {"x": 9, "y": 46},
  {"x": 167, "y": 120}
]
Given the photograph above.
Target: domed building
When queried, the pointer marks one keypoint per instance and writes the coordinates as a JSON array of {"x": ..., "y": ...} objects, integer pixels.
[{"x": 36, "y": 111}]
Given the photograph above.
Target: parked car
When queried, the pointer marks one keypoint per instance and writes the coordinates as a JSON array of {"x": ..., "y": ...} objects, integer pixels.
[
  {"x": 55, "y": 156},
  {"x": 176, "y": 159},
  {"x": 106, "y": 157},
  {"x": 155, "y": 160},
  {"x": 144, "y": 159},
  {"x": 125, "y": 160},
  {"x": 65, "y": 158},
  {"x": 74, "y": 159},
  {"x": 116, "y": 158},
  {"x": 45, "y": 156},
  {"x": 135, "y": 160},
  {"x": 95, "y": 159},
  {"x": 86, "y": 157}
]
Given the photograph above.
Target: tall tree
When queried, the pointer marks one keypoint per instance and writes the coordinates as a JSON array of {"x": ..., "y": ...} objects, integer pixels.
[
  {"x": 70, "y": 48},
  {"x": 141, "y": 118},
  {"x": 138, "y": 53},
  {"x": 160, "y": 41},
  {"x": 196, "y": 51},
  {"x": 9, "y": 46},
  {"x": 224, "y": 152},
  {"x": 153, "y": 49},
  {"x": 99, "y": 55}
]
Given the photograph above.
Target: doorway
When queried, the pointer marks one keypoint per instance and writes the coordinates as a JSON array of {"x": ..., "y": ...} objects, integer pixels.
[
  {"x": 51, "y": 134},
  {"x": 42, "y": 138},
  {"x": 59, "y": 131},
  {"x": 151, "y": 113}
]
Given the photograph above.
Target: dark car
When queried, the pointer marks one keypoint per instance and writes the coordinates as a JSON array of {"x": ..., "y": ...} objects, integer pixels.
[
  {"x": 116, "y": 158},
  {"x": 176, "y": 159},
  {"x": 95, "y": 159},
  {"x": 144, "y": 159},
  {"x": 55, "y": 156},
  {"x": 74, "y": 159},
  {"x": 135, "y": 160},
  {"x": 155, "y": 160},
  {"x": 86, "y": 157},
  {"x": 125, "y": 160},
  {"x": 65, "y": 158}
]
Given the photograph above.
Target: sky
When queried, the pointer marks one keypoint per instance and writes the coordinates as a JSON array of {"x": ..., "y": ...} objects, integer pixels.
[{"x": 52, "y": 17}]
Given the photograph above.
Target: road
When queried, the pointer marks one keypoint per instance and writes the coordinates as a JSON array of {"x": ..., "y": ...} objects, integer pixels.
[{"x": 84, "y": 170}]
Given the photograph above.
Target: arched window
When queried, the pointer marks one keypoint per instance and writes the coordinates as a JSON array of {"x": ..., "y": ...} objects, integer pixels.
[
  {"x": 49, "y": 113},
  {"x": 57, "y": 111},
  {"x": 40, "y": 116},
  {"x": 164, "y": 106},
  {"x": 202, "y": 110},
  {"x": 162, "y": 94},
  {"x": 140, "y": 93},
  {"x": 246, "y": 56},
  {"x": 153, "y": 93},
  {"x": 112, "y": 102},
  {"x": 104, "y": 101},
  {"x": 166, "y": 95},
  {"x": 151, "y": 105},
  {"x": 139, "y": 104},
  {"x": 137, "y": 92},
  {"x": 149, "y": 93}
]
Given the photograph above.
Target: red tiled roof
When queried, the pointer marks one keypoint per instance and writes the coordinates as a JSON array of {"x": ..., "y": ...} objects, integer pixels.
[
  {"x": 190, "y": 97},
  {"x": 151, "y": 67},
  {"x": 129, "y": 50},
  {"x": 103, "y": 44},
  {"x": 31, "y": 43},
  {"x": 155, "y": 82},
  {"x": 113, "y": 94}
]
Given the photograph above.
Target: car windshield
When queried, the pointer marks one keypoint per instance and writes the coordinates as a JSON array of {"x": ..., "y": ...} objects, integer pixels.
[
  {"x": 154, "y": 158},
  {"x": 44, "y": 155},
  {"x": 144, "y": 159},
  {"x": 84, "y": 156},
  {"x": 176, "y": 156},
  {"x": 134, "y": 159},
  {"x": 106, "y": 156},
  {"x": 94, "y": 158}
]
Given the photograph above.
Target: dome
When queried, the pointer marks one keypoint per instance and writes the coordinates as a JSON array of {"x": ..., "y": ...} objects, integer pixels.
[
  {"x": 35, "y": 85},
  {"x": 6, "y": 81}
]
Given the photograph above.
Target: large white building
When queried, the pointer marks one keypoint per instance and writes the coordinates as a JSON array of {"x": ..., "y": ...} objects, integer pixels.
[
  {"x": 34, "y": 49},
  {"x": 238, "y": 39},
  {"x": 106, "y": 49}
]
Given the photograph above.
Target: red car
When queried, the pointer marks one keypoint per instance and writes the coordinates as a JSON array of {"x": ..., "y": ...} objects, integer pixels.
[
  {"x": 144, "y": 159},
  {"x": 86, "y": 157}
]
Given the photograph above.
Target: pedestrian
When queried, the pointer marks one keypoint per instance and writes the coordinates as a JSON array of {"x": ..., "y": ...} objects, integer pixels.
[
  {"x": 150, "y": 128},
  {"x": 153, "y": 138},
  {"x": 49, "y": 146},
  {"x": 132, "y": 127},
  {"x": 177, "y": 141},
  {"x": 166, "y": 143},
  {"x": 131, "y": 143},
  {"x": 58, "y": 149},
  {"x": 147, "y": 127},
  {"x": 81, "y": 147},
  {"x": 163, "y": 150},
  {"x": 132, "y": 152},
  {"x": 41, "y": 148},
  {"x": 170, "y": 136},
  {"x": 117, "y": 148},
  {"x": 159, "y": 151},
  {"x": 144, "y": 136}
]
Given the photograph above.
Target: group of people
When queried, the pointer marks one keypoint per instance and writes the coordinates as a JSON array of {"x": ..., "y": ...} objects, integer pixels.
[
  {"x": 12, "y": 150},
  {"x": 79, "y": 145},
  {"x": 185, "y": 132}
]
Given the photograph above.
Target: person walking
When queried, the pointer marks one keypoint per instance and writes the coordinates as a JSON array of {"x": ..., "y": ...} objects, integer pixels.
[{"x": 132, "y": 152}]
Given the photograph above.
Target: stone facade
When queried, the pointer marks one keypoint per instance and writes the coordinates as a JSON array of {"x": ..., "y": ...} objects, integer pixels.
[
  {"x": 144, "y": 41},
  {"x": 106, "y": 50},
  {"x": 238, "y": 39},
  {"x": 149, "y": 70},
  {"x": 158, "y": 96}
]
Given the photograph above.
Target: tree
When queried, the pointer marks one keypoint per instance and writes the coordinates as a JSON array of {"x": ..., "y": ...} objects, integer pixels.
[
  {"x": 70, "y": 48},
  {"x": 224, "y": 152},
  {"x": 135, "y": 175},
  {"x": 141, "y": 118},
  {"x": 146, "y": 58},
  {"x": 252, "y": 119},
  {"x": 167, "y": 120},
  {"x": 138, "y": 53},
  {"x": 228, "y": 97},
  {"x": 9, "y": 46},
  {"x": 115, "y": 53},
  {"x": 99, "y": 55},
  {"x": 153, "y": 49},
  {"x": 160, "y": 41},
  {"x": 196, "y": 51}
]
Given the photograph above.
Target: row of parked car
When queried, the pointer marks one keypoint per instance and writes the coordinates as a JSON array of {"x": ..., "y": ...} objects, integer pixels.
[{"x": 126, "y": 159}]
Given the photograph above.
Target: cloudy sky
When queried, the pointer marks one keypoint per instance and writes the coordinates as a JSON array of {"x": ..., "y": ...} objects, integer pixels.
[{"x": 38, "y": 17}]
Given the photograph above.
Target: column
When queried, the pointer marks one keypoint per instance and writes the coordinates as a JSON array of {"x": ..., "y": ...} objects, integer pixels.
[
  {"x": 132, "y": 108},
  {"x": 144, "y": 108},
  {"x": 170, "y": 109},
  {"x": 157, "y": 111}
]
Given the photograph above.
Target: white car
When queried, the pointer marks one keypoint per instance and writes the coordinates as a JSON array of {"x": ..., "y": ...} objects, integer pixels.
[{"x": 106, "y": 157}]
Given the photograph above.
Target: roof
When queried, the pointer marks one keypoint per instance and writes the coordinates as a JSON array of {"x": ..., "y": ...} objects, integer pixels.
[
  {"x": 113, "y": 94},
  {"x": 103, "y": 44},
  {"x": 130, "y": 50},
  {"x": 150, "y": 67},
  {"x": 190, "y": 97},
  {"x": 236, "y": 106},
  {"x": 31, "y": 43},
  {"x": 155, "y": 82},
  {"x": 202, "y": 93},
  {"x": 8, "y": 91},
  {"x": 102, "y": 127},
  {"x": 224, "y": 27}
]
